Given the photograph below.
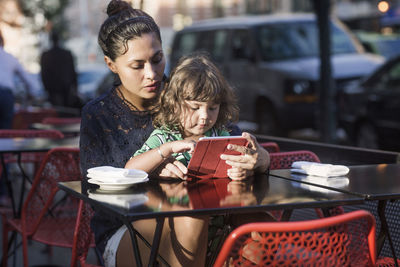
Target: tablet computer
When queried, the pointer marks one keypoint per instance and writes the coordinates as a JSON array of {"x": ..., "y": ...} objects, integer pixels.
[{"x": 206, "y": 162}]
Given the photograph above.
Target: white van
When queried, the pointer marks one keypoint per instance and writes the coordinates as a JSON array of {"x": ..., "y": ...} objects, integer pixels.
[{"x": 272, "y": 61}]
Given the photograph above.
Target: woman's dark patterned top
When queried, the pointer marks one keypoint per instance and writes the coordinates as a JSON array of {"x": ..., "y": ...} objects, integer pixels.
[{"x": 110, "y": 134}]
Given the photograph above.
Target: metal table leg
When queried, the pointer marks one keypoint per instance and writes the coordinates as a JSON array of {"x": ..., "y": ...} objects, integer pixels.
[
  {"x": 154, "y": 247},
  {"x": 156, "y": 241},
  {"x": 384, "y": 231},
  {"x": 9, "y": 187},
  {"x": 136, "y": 252}
]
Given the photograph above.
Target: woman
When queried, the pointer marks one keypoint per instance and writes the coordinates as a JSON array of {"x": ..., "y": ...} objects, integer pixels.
[{"x": 117, "y": 124}]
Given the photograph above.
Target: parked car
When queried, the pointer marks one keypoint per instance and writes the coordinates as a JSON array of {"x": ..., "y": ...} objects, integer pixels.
[
  {"x": 386, "y": 45},
  {"x": 370, "y": 109},
  {"x": 273, "y": 63}
]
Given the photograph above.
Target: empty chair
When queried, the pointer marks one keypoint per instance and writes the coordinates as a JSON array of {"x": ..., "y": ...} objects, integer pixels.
[
  {"x": 83, "y": 236},
  {"x": 284, "y": 160},
  {"x": 342, "y": 240},
  {"x": 61, "y": 120},
  {"x": 24, "y": 118},
  {"x": 48, "y": 214},
  {"x": 28, "y": 133},
  {"x": 271, "y": 147}
]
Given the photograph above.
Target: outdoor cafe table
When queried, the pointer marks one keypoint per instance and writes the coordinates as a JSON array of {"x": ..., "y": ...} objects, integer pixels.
[
  {"x": 204, "y": 197},
  {"x": 379, "y": 182},
  {"x": 70, "y": 129},
  {"x": 21, "y": 145}
]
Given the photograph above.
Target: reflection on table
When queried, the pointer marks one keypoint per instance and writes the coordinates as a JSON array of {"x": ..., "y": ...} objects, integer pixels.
[
  {"x": 68, "y": 129},
  {"x": 20, "y": 145},
  {"x": 160, "y": 199}
]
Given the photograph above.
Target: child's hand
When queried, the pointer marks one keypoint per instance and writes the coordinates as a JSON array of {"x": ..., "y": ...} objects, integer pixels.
[{"x": 183, "y": 146}]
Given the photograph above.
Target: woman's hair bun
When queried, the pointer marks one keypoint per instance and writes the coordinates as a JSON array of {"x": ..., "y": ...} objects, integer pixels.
[{"x": 116, "y": 6}]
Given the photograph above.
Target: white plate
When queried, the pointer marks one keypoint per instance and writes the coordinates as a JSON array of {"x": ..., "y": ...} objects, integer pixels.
[
  {"x": 122, "y": 200},
  {"x": 107, "y": 174},
  {"x": 111, "y": 180},
  {"x": 116, "y": 186}
]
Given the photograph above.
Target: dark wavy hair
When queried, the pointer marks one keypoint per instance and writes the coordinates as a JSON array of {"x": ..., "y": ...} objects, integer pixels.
[
  {"x": 124, "y": 23},
  {"x": 196, "y": 78}
]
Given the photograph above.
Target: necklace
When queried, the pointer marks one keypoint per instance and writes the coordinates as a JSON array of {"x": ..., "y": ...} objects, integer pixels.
[{"x": 127, "y": 102}]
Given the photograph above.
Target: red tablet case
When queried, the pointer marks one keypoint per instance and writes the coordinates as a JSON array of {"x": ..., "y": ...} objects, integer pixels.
[{"x": 206, "y": 162}]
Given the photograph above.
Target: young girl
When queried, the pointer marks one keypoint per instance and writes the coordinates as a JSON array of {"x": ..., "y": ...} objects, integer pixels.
[{"x": 196, "y": 102}]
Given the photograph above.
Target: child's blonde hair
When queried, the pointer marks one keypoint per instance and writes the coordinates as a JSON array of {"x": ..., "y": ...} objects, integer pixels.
[{"x": 195, "y": 78}]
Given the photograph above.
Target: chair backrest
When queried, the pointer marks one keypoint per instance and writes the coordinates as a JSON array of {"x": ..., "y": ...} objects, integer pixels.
[
  {"x": 284, "y": 160},
  {"x": 61, "y": 120},
  {"x": 342, "y": 240},
  {"x": 271, "y": 147},
  {"x": 11, "y": 133},
  {"x": 83, "y": 235},
  {"x": 44, "y": 197},
  {"x": 24, "y": 118}
]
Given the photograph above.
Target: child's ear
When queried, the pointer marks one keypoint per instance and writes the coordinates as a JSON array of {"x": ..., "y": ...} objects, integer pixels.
[{"x": 110, "y": 64}]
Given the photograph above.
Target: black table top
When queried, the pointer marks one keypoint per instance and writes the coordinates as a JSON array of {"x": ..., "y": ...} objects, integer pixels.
[
  {"x": 213, "y": 196},
  {"x": 64, "y": 128},
  {"x": 374, "y": 182},
  {"x": 18, "y": 144}
]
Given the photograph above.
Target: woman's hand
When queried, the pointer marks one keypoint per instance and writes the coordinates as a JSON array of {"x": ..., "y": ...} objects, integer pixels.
[{"x": 254, "y": 159}]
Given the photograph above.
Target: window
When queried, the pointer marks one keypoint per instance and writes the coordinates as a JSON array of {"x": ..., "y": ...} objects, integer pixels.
[
  {"x": 220, "y": 44},
  {"x": 185, "y": 44},
  {"x": 393, "y": 81},
  {"x": 241, "y": 45},
  {"x": 297, "y": 40}
]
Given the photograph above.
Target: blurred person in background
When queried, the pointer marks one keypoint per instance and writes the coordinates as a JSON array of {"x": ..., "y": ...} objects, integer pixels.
[
  {"x": 10, "y": 70},
  {"x": 59, "y": 76}
]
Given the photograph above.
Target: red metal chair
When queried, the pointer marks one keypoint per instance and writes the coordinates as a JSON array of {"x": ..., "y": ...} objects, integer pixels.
[
  {"x": 48, "y": 215},
  {"x": 271, "y": 147},
  {"x": 342, "y": 240},
  {"x": 61, "y": 120},
  {"x": 12, "y": 133},
  {"x": 23, "y": 119},
  {"x": 284, "y": 160},
  {"x": 83, "y": 236}
]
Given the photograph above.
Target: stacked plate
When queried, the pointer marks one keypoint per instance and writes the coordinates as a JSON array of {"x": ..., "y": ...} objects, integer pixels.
[{"x": 111, "y": 178}]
